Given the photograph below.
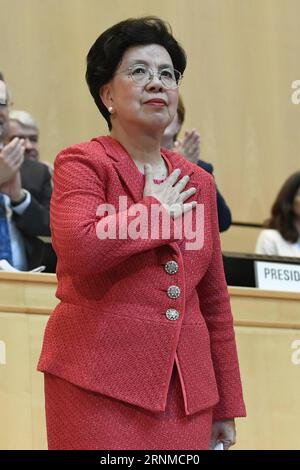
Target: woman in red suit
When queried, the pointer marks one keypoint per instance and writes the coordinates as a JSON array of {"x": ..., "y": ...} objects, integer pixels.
[{"x": 140, "y": 352}]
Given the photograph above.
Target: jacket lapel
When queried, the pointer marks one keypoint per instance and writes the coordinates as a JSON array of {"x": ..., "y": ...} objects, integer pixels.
[
  {"x": 178, "y": 161},
  {"x": 124, "y": 166},
  {"x": 187, "y": 168}
]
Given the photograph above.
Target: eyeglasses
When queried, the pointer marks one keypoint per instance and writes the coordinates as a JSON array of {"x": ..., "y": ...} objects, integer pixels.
[{"x": 141, "y": 75}]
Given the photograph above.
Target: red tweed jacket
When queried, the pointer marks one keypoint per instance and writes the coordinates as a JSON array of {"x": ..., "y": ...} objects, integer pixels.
[{"x": 112, "y": 331}]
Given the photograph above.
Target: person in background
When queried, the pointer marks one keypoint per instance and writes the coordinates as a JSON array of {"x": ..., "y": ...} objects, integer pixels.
[
  {"x": 22, "y": 125},
  {"x": 282, "y": 234},
  {"x": 140, "y": 352},
  {"x": 190, "y": 148},
  {"x": 12, "y": 247},
  {"x": 25, "y": 191},
  {"x": 4, "y": 98}
]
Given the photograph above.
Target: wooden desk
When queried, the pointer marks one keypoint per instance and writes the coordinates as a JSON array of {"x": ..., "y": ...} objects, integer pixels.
[
  {"x": 266, "y": 325},
  {"x": 26, "y": 300}
]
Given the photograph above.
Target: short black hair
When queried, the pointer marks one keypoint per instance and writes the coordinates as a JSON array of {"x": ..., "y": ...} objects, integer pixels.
[
  {"x": 2, "y": 77},
  {"x": 107, "y": 51}
]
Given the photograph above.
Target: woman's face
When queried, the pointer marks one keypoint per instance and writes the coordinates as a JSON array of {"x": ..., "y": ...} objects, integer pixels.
[
  {"x": 151, "y": 106},
  {"x": 296, "y": 204}
]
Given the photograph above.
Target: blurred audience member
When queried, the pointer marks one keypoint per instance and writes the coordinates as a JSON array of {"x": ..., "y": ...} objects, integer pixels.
[
  {"x": 22, "y": 125},
  {"x": 25, "y": 191},
  {"x": 190, "y": 148},
  {"x": 3, "y": 108},
  {"x": 282, "y": 236}
]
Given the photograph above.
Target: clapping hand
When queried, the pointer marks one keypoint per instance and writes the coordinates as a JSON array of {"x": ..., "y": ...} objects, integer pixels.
[
  {"x": 189, "y": 146},
  {"x": 11, "y": 159}
]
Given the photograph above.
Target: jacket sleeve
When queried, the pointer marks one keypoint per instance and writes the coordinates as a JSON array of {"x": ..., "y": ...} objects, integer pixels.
[
  {"x": 77, "y": 224},
  {"x": 35, "y": 220},
  {"x": 224, "y": 213},
  {"x": 215, "y": 307}
]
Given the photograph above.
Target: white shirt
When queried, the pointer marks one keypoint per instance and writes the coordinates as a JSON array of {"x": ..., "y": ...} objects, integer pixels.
[
  {"x": 17, "y": 243},
  {"x": 270, "y": 242}
]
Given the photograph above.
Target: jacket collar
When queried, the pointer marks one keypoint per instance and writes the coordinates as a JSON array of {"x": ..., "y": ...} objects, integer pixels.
[{"x": 128, "y": 171}]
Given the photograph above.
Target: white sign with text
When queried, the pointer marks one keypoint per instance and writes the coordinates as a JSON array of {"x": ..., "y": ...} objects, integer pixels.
[{"x": 277, "y": 276}]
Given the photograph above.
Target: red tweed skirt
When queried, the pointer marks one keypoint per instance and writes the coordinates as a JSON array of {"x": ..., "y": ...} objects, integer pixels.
[{"x": 79, "y": 419}]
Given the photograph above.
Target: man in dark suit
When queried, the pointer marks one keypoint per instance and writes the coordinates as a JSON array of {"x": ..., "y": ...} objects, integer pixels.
[
  {"x": 25, "y": 189},
  {"x": 35, "y": 220}
]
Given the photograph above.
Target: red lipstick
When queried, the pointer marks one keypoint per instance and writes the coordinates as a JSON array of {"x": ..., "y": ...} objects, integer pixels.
[{"x": 156, "y": 102}]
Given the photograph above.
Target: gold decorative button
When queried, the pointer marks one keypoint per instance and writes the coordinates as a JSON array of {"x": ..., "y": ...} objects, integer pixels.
[
  {"x": 172, "y": 314},
  {"x": 173, "y": 292},
  {"x": 171, "y": 267}
]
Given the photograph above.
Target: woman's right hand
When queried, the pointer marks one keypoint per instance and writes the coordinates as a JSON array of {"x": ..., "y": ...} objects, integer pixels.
[{"x": 170, "y": 192}]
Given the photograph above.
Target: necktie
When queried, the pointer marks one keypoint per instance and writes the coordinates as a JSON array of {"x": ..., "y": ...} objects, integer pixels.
[{"x": 5, "y": 246}]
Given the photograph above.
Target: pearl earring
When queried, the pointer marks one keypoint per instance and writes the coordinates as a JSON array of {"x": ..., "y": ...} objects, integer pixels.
[{"x": 110, "y": 109}]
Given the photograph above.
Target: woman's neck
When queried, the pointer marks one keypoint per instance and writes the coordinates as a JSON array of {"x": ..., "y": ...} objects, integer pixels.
[
  {"x": 143, "y": 148},
  {"x": 167, "y": 142}
]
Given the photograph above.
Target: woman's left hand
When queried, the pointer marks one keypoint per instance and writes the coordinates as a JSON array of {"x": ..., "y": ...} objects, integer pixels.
[{"x": 223, "y": 431}]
